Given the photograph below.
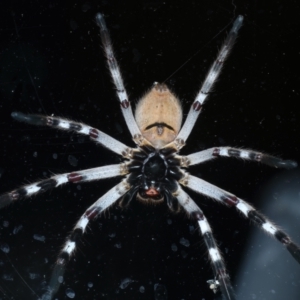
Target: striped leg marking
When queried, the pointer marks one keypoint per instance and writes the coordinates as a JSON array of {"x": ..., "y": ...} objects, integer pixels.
[
  {"x": 64, "y": 124},
  {"x": 70, "y": 246},
  {"x": 220, "y": 272},
  {"x": 212, "y": 153},
  {"x": 212, "y": 191},
  {"x": 209, "y": 81},
  {"x": 55, "y": 181},
  {"x": 117, "y": 79}
]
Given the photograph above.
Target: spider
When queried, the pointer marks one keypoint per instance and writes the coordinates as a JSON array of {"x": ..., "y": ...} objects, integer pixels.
[{"x": 154, "y": 172}]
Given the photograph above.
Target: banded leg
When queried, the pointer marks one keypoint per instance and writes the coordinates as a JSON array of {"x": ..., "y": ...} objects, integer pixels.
[
  {"x": 117, "y": 79},
  {"x": 221, "y": 276},
  {"x": 55, "y": 181},
  {"x": 70, "y": 246},
  {"x": 212, "y": 153},
  {"x": 64, "y": 124},
  {"x": 208, "y": 83},
  {"x": 200, "y": 186}
]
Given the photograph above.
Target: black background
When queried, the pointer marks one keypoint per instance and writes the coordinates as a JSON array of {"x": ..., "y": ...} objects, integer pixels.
[{"x": 52, "y": 63}]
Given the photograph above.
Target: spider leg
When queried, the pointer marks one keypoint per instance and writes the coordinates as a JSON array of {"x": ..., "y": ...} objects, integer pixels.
[
  {"x": 200, "y": 186},
  {"x": 207, "y": 85},
  {"x": 64, "y": 124},
  {"x": 70, "y": 245},
  {"x": 220, "y": 272},
  {"x": 55, "y": 181},
  {"x": 118, "y": 81},
  {"x": 212, "y": 153}
]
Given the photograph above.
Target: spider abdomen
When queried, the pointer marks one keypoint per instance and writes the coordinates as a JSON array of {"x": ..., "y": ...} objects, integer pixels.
[{"x": 159, "y": 115}]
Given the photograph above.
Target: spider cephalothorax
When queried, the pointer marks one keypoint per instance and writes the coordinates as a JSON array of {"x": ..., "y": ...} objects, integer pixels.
[
  {"x": 154, "y": 175},
  {"x": 154, "y": 171}
]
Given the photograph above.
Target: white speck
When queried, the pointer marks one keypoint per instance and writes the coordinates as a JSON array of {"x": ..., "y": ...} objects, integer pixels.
[
  {"x": 7, "y": 277},
  {"x": 39, "y": 237},
  {"x": 118, "y": 245},
  {"x": 54, "y": 155},
  {"x": 90, "y": 284},
  {"x": 184, "y": 242},
  {"x": 33, "y": 276},
  {"x": 142, "y": 289},
  {"x": 160, "y": 292},
  {"x": 5, "y": 223},
  {"x": 73, "y": 161},
  {"x": 4, "y": 247},
  {"x": 125, "y": 283},
  {"x": 70, "y": 293},
  {"x": 184, "y": 254},
  {"x": 60, "y": 279},
  {"x": 192, "y": 228},
  {"x": 174, "y": 247},
  {"x": 17, "y": 229}
]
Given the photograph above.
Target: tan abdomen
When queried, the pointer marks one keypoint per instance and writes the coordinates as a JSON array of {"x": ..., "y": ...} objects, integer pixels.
[{"x": 159, "y": 115}]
